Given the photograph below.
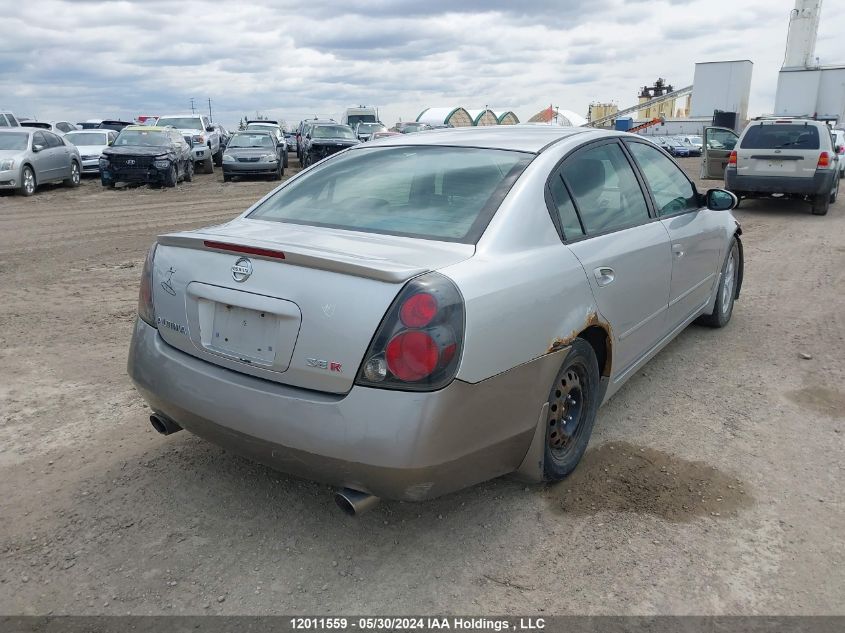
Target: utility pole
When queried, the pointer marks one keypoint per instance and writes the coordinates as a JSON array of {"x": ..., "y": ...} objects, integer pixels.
[
  {"x": 193, "y": 109},
  {"x": 210, "y": 118}
]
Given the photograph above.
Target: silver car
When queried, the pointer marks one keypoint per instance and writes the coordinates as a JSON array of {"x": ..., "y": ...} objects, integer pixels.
[
  {"x": 30, "y": 157},
  {"x": 424, "y": 312}
]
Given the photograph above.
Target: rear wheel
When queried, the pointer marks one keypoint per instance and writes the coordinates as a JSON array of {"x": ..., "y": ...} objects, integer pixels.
[
  {"x": 573, "y": 404},
  {"x": 27, "y": 182},
  {"x": 724, "y": 306},
  {"x": 821, "y": 203},
  {"x": 835, "y": 193},
  {"x": 189, "y": 171},
  {"x": 73, "y": 181}
]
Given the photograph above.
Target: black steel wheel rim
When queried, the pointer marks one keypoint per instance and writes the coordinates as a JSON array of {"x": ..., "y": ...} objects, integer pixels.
[{"x": 567, "y": 411}]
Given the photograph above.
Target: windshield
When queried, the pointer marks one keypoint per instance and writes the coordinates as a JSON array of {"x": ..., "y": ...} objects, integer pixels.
[
  {"x": 187, "y": 123},
  {"x": 14, "y": 141},
  {"x": 367, "y": 128},
  {"x": 87, "y": 138},
  {"x": 354, "y": 119},
  {"x": 332, "y": 131},
  {"x": 250, "y": 140},
  {"x": 779, "y": 136},
  {"x": 441, "y": 193},
  {"x": 143, "y": 137}
]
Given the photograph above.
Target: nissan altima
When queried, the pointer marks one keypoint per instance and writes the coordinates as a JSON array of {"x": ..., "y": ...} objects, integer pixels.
[{"x": 421, "y": 313}]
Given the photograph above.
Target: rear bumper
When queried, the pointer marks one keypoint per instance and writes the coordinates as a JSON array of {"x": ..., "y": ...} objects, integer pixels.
[
  {"x": 400, "y": 445},
  {"x": 821, "y": 182},
  {"x": 244, "y": 169}
]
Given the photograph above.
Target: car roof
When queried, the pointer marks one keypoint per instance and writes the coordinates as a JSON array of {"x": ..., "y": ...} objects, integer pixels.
[
  {"x": 524, "y": 138},
  {"x": 254, "y": 132},
  {"x": 150, "y": 128},
  {"x": 23, "y": 128}
]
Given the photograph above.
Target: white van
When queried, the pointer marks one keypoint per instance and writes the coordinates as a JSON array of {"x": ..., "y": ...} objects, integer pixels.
[{"x": 362, "y": 114}]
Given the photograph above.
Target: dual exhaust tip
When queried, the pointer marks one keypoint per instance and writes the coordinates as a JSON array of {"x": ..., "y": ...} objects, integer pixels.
[{"x": 351, "y": 502}]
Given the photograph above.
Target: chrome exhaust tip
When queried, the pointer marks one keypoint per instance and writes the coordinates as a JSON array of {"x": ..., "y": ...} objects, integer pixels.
[
  {"x": 355, "y": 502},
  {"x": 164, "y": 425}
]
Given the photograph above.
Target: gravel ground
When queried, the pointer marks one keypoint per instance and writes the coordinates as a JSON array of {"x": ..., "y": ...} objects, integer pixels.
[{"x": 714, "y": 483}]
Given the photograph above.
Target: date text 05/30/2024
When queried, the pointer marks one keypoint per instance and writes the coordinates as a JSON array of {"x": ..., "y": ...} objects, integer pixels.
[{"x": 418, "y": 624}]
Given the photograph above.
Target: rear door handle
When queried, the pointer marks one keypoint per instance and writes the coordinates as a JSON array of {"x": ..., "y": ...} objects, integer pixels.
[{"x": 604, "y": 275}]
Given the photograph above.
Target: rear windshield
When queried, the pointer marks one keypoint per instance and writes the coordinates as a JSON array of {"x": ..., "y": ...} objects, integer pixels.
[
  {"x": 14, "y": 141},
  {"x": 781, "y": 136},
  {"x": 87, "y": 138},
  {"x": 439, "y": 193}
]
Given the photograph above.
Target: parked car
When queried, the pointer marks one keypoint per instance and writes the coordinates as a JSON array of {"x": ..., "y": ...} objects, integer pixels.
[
  {"x": 290, "y": 141},
  {"x": 365, "y": 131},
  {"x": 277, "y": 131},
  {"x": 253, "y": 153},
  {"x": 672, "y": 145},
  {"x": 151, "y": 155},
  {"x": 302, "y": 133},
  {"x": 839, "y": 148},
  {"x": 7, "y": 119},
  {"x": 408, "y": 127},
  {"x": 91, "y": 144},
  {"x": 787, "y": 157},
  {"x": 693, "y": 148},
  {"x": 384, "y": 134},
  {"x": 113, "y": 124},
  {"x": 56, "y": 127},
  {"x": 225, "y": 135},
  {"x": 205, "y": 141},
  {"x": 417, "y": 315},
  {"x": 325, "y": 139},
  {"x": 90, "y": 124},
  {"x": 31, "y": 157},
  {"x": 692, "y": 139}
]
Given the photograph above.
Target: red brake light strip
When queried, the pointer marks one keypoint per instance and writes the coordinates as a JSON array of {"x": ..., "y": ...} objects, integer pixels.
[{"x": 246, "y": 250}]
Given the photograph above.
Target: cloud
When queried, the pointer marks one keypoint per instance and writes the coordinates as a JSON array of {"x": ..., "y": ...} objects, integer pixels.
[{"x": 83, "y": 59}]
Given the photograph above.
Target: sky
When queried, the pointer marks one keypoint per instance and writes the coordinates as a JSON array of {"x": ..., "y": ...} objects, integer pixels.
[{"x": 80, "y": 59}]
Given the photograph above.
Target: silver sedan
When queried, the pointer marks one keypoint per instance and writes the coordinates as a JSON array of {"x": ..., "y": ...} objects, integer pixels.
[
  {"x": 30, "y": 157},
  {"x": 424, "y": 312}
]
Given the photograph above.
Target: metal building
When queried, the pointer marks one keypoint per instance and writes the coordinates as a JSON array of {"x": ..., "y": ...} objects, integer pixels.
[
  {"x": 453, "y": 117},
  {"x": 507, "y": 117},
  {"x": 483, "y": 117}
]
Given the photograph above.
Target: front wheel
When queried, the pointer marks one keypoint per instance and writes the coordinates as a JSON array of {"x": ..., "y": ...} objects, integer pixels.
[
  {"x": 171, "y": 177},
  {"x": 573, "y": 405},
  {"x": 726, "y": 292},
  {"x": 189, "y": 171},
  {"x": 208, "y": 164},
  {"x": 218, "y": 158},
  {"x": 73, "y": 181},
  {"x": 27, "y": 182}
]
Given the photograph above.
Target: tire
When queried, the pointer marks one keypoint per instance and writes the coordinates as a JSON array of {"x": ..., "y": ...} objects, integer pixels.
[
  {"x": 189, "y": 171},
  {"x": 821, "y": 204},
  {"x": 208, "y": 165},
  {"x": 726, "y": 292},
  {"x": 218, "y": 158},
  {"x": 172, "y": 176},
  {"x": 277, "y": 175},
  {"x": 573, "y": 405},
  {"x": 306, "y": 161},
  {"x": 75, "y": 175},
  {"x": 285, "y": 164},
  {"x": 835, "y": 193},
  {"x": 28, "y": 182},
  {"x": 226, "y": 177}
]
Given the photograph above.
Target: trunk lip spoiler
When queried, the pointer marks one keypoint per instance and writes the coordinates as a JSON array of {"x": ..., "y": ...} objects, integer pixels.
[{"x": 311, "y": 257}]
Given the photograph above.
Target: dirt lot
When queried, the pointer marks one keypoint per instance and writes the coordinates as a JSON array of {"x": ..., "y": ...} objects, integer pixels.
[{"x": 714, "y": 484}]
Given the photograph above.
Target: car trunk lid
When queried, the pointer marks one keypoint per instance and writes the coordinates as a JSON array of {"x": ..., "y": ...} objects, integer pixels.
[{"x": 293, "y": 304}]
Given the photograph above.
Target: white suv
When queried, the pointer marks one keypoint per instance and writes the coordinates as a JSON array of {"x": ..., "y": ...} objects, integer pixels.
[
  {"x": 203, "y": 138},
  {"x": 791, "y": 157}
]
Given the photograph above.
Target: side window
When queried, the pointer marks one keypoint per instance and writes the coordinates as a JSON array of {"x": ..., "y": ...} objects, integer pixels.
[
  {"x": 3, "y": 121},
  {"x": 64, "y": 127},
  {"x": 38, "y": 139},
  {"x": 606, "y": 192},
  {"x": 569, "y": 222},
  {"x": 672, "y": 191},
  {"x": 12, "y": 120},
  {"x": 720, "y": 139},
  {"x": 52, "y": 140}
]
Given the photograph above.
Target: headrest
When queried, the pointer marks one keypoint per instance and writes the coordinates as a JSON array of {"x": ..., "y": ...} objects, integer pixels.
[{"x": 585, "y": 176}]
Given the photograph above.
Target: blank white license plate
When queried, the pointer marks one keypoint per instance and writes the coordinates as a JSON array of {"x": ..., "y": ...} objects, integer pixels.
[
  {"x": 246, "y": 334},
  {"x": 783, "y": 165}
]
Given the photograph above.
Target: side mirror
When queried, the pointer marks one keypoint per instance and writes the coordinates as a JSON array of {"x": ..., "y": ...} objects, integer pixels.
[
  {"x": 838, "y": 149},
  {"x": 209, "y": 129},
  {"x": 37, "y": 148},
  {"x": 720, "y": 200}
]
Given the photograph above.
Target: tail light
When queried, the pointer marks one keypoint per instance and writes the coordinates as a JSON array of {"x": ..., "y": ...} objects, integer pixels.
[
  {"x": 732, "y": 158},
  {"x": 418, "y": 345},
  {"x": 146, "y": 309},
  {"x": 824, "y": 160}
]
